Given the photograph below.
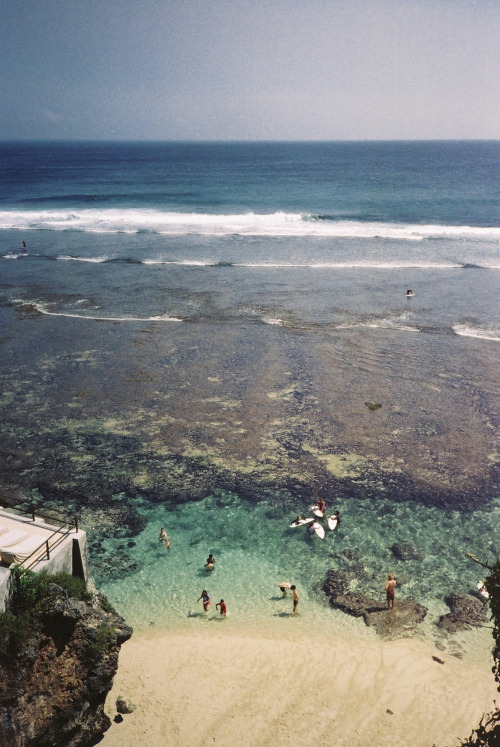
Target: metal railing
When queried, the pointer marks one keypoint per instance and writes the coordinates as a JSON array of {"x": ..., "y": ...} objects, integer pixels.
[{"x": 29, "y": 509}]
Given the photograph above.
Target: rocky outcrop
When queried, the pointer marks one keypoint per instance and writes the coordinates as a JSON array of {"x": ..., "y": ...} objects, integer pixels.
[
  {"x": 53, "y": 688},
  {"x": 396, "y": 623},
  {"x": 466, "y": 612}
]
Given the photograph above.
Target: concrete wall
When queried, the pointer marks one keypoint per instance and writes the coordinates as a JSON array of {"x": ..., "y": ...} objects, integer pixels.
[{"x": 69, "y": 556}]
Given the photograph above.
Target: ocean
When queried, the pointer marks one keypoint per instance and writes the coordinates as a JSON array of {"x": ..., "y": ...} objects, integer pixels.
[{"x": 208, "y": 337}]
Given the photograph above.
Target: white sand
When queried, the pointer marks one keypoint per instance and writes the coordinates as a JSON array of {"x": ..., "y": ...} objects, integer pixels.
[{"x": 219, "y": 685}]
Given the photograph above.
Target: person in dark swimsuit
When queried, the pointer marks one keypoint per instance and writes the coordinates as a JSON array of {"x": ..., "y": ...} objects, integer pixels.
[
  {"x": 206, "y": 600},
  {"x": 390, "y": 590}
]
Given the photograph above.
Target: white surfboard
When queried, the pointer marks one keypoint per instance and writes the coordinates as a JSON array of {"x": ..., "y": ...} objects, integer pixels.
[
  {"x": 300, "y": 523},
  {"x": 209, "y": 566},
  {"x": 482, "y": 590},
  {"x": 332, "y": 522},
  {"x": 316, "y": 511},
  {"x": 318, "y": 529}
]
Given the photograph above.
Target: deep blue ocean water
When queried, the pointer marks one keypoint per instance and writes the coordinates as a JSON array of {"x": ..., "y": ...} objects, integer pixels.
[{"x": 238, "y": 303}]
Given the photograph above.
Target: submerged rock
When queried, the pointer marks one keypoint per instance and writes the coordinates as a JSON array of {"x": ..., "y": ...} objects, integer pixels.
[
  {"x": 405, "y": 551},
  {"x": 466, "y": 612},
  {"x": 53, "y": 688}
]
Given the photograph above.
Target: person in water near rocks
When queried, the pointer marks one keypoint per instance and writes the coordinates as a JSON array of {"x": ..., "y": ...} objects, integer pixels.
[
  {"x": 390, "y": 590},
  {"x": 320, "y": 505},
  {"x": 206, "y": 600},
  {"x": 295, "y": 598},
  {"x": 222, "y": 606}
]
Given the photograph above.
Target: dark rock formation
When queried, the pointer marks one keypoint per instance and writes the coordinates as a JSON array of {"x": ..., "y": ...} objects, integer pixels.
[
  {"x": 466, "y": 612},
  {"x": 405, "y": 551},
  {"x": 395, "y": 623},
  {"x": 53, "y": 688}
]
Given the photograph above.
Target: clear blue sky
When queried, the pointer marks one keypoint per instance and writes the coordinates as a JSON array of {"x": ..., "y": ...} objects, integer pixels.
[{"x": 251, "y": 70}]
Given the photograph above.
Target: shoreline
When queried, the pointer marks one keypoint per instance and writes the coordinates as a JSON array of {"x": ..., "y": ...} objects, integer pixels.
[{"x": 228, "y": 685}]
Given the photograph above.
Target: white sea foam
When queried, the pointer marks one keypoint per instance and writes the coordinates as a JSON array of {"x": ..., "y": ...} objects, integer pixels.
[
  {"x": 42, "y": 309},
  {"x": 133, "y": 220},
  {"x": 465, "y": 330},
  {"x": 96, "y": 260}
]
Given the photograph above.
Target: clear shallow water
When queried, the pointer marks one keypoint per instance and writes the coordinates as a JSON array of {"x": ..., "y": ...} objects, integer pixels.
[
  {"x": 255, "y": 550},
  {"x": 190, "y": 338}
]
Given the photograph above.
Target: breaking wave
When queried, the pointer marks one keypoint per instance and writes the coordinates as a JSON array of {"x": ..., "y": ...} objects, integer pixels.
[{"x": 136, "y": 220}]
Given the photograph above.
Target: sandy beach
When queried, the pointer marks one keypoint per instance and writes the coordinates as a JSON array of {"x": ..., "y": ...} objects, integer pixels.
[{"x": 219, "y": 685}]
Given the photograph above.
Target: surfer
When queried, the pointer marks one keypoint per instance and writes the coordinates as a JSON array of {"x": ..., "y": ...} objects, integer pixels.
[
  {"x": 337, "y": 516},
  {"x": 409, "y": 293},
  {"x": 295, "y": 598},
  {"x": 390, "y": 589},
  {"x": 320, "y": 505},
  {"x": 210, "y": 560},
  {"x": 222, "y": 606},
  {"x": 24, "y": 246},
  {"x": 206, "y": 600}
]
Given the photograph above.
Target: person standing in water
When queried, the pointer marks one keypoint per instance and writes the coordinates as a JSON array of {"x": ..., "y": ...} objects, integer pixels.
[
  {"x": 222, "y": 606},
  {"x": 295, "y": 598},
  {"x": 163, "y": 537},
  {"x": 206, "y": 600},
  {"x": 390, "y": 589}
]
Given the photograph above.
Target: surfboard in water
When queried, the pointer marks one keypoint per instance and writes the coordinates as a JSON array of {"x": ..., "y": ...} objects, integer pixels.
[
  {"x": 332, "y": 522},
  {"x": 300, "y": 523}
]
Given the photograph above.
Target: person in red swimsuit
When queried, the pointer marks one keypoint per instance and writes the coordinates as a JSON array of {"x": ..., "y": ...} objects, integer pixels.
[{"x": 222, "y": 606}]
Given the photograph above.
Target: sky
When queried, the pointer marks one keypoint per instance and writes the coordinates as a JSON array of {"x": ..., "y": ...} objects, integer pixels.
[{"x": 249, "y": 70}]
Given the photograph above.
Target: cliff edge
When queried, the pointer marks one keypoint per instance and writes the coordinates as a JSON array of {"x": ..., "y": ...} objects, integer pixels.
[{"x": 57, "y": 663}]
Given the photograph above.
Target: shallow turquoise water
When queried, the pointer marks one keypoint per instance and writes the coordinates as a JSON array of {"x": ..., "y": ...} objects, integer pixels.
[{"x": 255, "y": 550}]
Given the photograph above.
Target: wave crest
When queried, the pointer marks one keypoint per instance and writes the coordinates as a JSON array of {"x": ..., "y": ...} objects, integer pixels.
[{"x": 136, "y": 220}]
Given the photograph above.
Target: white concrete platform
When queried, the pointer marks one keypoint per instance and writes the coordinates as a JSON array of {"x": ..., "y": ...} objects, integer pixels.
[{"x": 24, "y": 542}]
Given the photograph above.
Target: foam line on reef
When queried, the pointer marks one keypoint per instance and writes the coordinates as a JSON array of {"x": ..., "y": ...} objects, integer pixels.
[{"x": 137, "y": 220}]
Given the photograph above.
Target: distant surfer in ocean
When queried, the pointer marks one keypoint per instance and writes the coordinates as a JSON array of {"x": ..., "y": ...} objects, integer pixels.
[{"x": 409, "y": 293}]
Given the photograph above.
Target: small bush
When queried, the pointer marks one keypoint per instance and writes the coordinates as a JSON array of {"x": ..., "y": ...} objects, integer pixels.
[
  {"x": 100, "y": 642},
  {"x": 27, "y": 589},
  {"x": 14, "y": 632},
  {"x": 75, "y": 587}
]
